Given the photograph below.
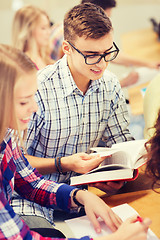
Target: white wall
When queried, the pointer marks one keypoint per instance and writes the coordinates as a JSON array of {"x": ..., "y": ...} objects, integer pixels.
[
  {"x": 133, "y": 16},
  {"x": 127, "y": 16}
]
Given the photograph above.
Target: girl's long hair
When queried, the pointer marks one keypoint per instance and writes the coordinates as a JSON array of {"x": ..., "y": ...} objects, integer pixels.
[
  {"x": 24, "y": 23},
  {"x": 13, "y": 64}
]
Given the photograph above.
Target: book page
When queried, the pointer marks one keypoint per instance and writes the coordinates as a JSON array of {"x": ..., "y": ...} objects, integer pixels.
[
  {"x": 125, "y": 153},
  {"x": 120, "y": 158},
  {"x": 132, "y": 147},
  {"x": 81, "y": 226},
  {"x": 117, "y": 161},
  {"x": 103, "y": 168},
  {"x": 103, "y": 151},
  {"x": 139, "y": 159}
]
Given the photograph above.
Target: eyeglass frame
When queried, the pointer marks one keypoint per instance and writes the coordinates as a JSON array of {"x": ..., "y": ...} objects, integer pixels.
[{"x": 101, "y": 55}]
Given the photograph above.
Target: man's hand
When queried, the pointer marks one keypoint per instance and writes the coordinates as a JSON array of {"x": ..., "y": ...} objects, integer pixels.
[
  {"x": 81, "y": 162},
  {"x": 108, "y": 187}
]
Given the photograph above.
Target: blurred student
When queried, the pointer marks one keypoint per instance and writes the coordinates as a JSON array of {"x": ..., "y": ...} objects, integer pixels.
[
  {"x": 18, "y": 87},
  {"x": 56, "y": 40},
  {"x": 30, "y": 34}
]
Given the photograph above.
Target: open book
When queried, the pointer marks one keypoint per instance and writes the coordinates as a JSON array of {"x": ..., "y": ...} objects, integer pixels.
[
  {"x": 82, "y": 226},
  {"x": 121, "y": 163}
]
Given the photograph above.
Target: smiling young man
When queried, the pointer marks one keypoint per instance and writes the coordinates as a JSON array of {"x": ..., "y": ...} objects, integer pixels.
[
  {"x": 94, "y": 58},
  {"x": 79, "y": 101}
]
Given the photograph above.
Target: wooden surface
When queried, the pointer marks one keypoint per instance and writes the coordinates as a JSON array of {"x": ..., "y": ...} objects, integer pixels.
[
  {"x": 136, "y": 99},
  {"x": 145, "y": 202},
  {"x": 142, "y": 44},
  {"x": 139, "y": 195}
]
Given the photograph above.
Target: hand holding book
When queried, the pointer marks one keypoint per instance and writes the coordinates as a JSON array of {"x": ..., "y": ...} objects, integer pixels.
[{"x": 122, "y": 165}]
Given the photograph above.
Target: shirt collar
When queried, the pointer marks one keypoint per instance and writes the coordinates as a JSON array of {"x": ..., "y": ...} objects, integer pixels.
[
  {"x": 6, "y": 139},
  {"x": 68, "y": 82}
]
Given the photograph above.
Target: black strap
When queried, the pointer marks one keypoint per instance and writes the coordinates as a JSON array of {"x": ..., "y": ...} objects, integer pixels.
[{"x": 74, "y": 198}]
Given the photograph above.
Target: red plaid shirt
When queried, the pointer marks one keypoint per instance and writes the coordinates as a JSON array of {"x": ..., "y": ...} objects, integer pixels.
[{"x": 16, "y": 173}]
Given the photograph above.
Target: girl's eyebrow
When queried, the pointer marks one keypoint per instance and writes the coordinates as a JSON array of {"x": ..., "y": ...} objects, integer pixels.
[
  {"x": 94, "y": 52},
  {"x": 26, "y": 97}
]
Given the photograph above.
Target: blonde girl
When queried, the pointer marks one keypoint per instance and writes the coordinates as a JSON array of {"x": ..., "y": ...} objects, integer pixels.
[{"x": 30, "y": 34}]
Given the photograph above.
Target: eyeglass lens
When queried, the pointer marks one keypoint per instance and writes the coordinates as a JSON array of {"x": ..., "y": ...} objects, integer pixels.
[{"x": 95, "y": 59}]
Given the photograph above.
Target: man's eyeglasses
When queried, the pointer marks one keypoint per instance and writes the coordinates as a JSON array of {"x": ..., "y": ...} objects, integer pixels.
[{"x": 96, "y": 58}]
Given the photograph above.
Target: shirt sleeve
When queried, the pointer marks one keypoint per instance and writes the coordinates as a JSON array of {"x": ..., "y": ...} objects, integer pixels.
[
  {"x": 34, "y": 187},
  {"x": 13, "y": 227}
]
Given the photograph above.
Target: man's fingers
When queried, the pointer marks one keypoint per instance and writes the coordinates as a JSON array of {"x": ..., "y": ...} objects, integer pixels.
[{"x": 108, "y": 187}]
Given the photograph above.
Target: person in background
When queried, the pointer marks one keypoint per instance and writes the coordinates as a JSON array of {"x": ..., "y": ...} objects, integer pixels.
[
  {"x": 18, "y": 86},
  {"x": 56, "y": 40},
  {"x": 30, "y": 34},
  {"x": 80, "y": 103}
]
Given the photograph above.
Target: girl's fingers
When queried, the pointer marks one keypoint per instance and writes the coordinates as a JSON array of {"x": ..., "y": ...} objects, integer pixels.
[
  {"x": 113, "y": 221},
  {"x": 94, "y": 221}
]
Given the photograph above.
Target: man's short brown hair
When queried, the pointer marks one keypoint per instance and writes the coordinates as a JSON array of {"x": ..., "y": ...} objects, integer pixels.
[
  {"x": 105, "y": 4},
  {"x": 86, "y": 20}
]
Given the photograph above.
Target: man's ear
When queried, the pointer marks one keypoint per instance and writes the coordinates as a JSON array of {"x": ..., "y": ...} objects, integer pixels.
[{"x": 66, "y": 47}]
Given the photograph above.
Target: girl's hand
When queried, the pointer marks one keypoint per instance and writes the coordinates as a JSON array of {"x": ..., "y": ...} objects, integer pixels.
[
  {"x": 133, "y": 229},
  {"x": 96, "y": 207}
]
